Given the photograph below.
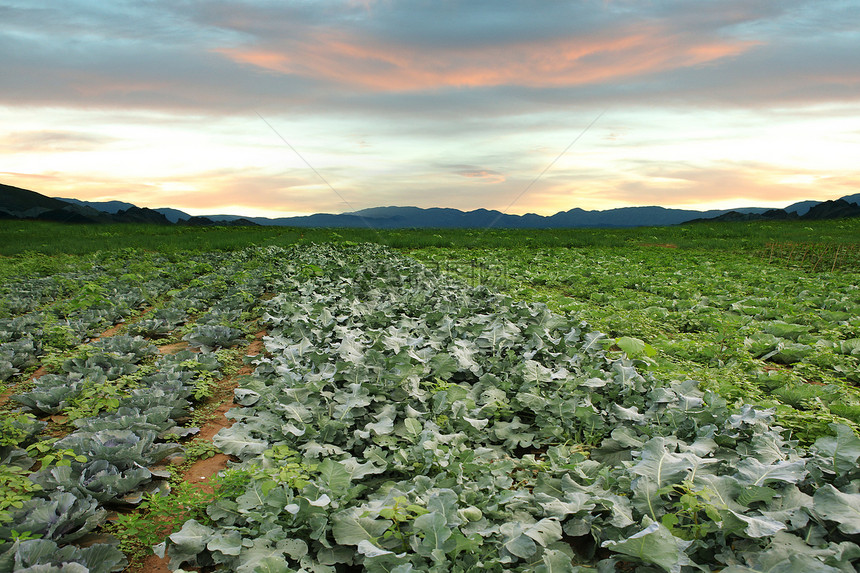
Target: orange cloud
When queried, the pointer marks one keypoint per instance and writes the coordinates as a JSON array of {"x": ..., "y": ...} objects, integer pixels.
[
  {"x": 373, "y": 65},
  {"x": 85, "y": 187},
  {"x": 486, "y": 175},
  {"x": 741, "y": 186},
  {"x": 50, "y": 141}
]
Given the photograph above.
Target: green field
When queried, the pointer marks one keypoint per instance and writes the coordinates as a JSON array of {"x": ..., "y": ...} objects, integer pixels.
[
  {"x": 655, "y": 399},
  {"x": 18, "y": 237}
]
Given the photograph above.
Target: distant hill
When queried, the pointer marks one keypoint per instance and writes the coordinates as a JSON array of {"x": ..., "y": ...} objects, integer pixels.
[
  {"x": 16, "y": 200},
  {"x": 111, "y": 207},
  {"x": 445, "y": 218},
  {"x": 16, "y": 203},
  {"x": 23, "y": 204},
  {"x": 838, "y": 209},
  {"x": 801, "y": 208},
  {"x": 173, "y": 215}
]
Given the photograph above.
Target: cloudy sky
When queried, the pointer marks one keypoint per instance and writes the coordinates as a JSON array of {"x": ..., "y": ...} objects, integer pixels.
[{"x": 259, "y": 107}]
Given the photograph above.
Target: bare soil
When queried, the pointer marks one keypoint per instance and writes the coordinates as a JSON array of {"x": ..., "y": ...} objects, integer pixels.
[{"x": 175, "y": 347}]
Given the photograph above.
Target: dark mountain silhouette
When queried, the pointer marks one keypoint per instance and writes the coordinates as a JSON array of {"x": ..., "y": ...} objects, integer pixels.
[
  {"x": 442, "y": 218},
  {"x": 838, "y": 209},
  {"x": 207, "y": 222},
  {"x": 111, "y": 207},
  {"x": 173, "y": 215},
  {"x": 16, "y": 200},
  {"x": 802, "y": 207},
  {"x": 17, "y": 203},
  {"x": 140, "y": 215}
]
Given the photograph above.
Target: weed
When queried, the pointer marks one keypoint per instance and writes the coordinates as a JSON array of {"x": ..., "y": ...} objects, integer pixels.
[
  {"x": 401, "y": 513},
  {"x": 14, "y": 428},
  {"x": 284, "y": 465},
  {"x": 695, "y": 516},
  {"x": 15, "y": 489},
  {"x": 158, "y": 516},
  {"x": 48, "y": 455}
]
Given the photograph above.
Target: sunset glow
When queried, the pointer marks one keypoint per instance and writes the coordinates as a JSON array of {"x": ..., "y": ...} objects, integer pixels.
[{"x": 459, "y": 104}]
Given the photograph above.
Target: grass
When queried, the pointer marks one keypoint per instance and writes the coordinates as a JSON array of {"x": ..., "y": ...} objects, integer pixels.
[{"x": 34, "y": 239}]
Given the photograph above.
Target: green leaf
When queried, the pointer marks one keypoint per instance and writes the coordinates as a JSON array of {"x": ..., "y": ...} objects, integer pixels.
[
  {"x": 229, "y": 543},
  {"x": 658, "y": 468},
  {"x": 370, "y": 550},
  {"x": 189, "y": 541},
  {"x": 573, "y": 503},
  {"x": 634, "y": 347},
  {"x": 521, "y": 546},
  {"x": 757, "y": 473},
  {"x": 754, "y": 493},
  {"x": 752, "y": 525},
  {"x": 263, "y": 557},
  {"x": 334, "y": 476},
  {"x": 555, "y": 561},
  {"x": 349, "y": 528},
  {"x": 789, "y": 554},
  {"x": 437, "y": 535},
  {"x": 844, "y": 448},
  {"x": 655, "y": 544},
  {"x": 444, "y": 502},
  {"x": 413, "y": 426},
  {"x": 843, "y": 508},
  {"x": 545, "y": 531},
  {"x": 237, "y": 441},
  {"x": 516, "y": 541}
]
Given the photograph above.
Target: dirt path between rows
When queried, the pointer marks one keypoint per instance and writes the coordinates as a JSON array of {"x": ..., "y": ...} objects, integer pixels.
[{"x": 201, "y": 472}]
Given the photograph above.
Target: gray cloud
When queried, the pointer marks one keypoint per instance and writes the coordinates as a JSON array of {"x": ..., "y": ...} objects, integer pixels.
[{"x": 223, "y": 57}]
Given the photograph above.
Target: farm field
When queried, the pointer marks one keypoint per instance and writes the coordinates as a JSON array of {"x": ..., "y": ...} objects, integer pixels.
[
  {"x": 609, "y": 404},
  {"x": 748, "y": 326}
]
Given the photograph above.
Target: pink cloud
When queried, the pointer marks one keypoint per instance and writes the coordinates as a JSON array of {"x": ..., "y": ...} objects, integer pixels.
[
  {"x": 374, "y": 65},
  {"x": 486, "y": 175}
]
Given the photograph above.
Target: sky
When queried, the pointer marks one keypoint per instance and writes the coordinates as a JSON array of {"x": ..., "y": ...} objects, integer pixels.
[{"x": 276, "y": 108}]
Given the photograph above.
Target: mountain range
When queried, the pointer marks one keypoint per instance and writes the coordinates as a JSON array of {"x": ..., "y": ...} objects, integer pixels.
[{"x": 17, "y": 203}]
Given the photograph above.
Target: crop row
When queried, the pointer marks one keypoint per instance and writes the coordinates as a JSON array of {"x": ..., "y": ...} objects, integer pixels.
[
  {"x": 124, "y": 403},
  {"x": 753, "y": 332},
  {"x": 405, "y": 422}
]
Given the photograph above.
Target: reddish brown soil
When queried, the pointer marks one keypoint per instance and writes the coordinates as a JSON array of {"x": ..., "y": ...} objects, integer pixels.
[
  {"x": 4, "y": 396},
  {"x": 152, "y": 564},
  {"x": 109, "y": 332},
  {"x": 116, "y": 327},
  {"x": 40, "y": 371},
  {"x": 175, "y": 347}
]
